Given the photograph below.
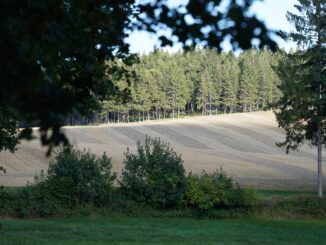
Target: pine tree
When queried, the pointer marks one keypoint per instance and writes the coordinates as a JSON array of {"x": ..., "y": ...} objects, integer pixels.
[
  {"x": 179, "y": 93},
  {"x": 209, "y": 81},
  {"x": 268, "y": 80},
  {"x": 302, "y": 108},
  {"x": 249, "y": 81},
  {"x": 230, "y": 80},
  {"x": 204, "y": 82}
]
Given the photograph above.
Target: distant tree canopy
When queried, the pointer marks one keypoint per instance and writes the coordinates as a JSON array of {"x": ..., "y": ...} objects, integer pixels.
[
  {"x": 53, "y": 53},
  {"x": 199, "y": 80}
]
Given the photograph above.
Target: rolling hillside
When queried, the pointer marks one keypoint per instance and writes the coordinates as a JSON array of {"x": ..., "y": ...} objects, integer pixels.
[{"x": 243, "y": 144}]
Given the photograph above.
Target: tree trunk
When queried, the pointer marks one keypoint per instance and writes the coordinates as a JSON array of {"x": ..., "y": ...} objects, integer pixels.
[
  {"x": 210, "y": 106},
  {"x": 319, "y": 153},
  {"x": 319, "y": 163},
  {"x": 319, "y": 143}
]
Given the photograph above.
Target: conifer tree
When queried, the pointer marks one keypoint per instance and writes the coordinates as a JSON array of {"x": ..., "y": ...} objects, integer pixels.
[
  {"x": 268, "y": 80},
  {"x": 302, "y": 108},
  {"x": 248, "y": 84},
  {"x": 192, "y": 72},
  {"x": 204, "y": 83},
  {"x": 229, "y": 79}
]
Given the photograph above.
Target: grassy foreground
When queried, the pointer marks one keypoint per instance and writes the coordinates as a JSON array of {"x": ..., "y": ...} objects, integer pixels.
[{"x": 162, "y": 231}]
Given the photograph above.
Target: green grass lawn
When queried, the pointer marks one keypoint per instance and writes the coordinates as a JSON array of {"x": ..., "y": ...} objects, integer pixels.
[{"x": 162, "y": 231}]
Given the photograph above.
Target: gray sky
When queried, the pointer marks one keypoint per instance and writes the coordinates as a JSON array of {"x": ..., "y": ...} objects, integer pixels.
[{"x": 272, "y": 12}]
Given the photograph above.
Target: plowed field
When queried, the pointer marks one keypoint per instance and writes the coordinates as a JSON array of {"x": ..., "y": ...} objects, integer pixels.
[{"x": 243, "y": 144}]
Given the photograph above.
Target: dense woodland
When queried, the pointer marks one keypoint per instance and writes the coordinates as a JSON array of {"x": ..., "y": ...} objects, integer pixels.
[{"x": 195, "y": 82}]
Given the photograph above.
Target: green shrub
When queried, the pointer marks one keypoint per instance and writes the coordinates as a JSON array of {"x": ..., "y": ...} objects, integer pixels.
[
  {"x": 34, "y": 201},
  {"x": 29, "y": 201},
  {"x": 215, "y": 190},
  {"x": 74, "y": 179},
  {"x": 155, "y": 175},
  {"x": 303, "y": 206},
  {"x": 6, "y": 200},
  {"x": 80, "y": 178}
]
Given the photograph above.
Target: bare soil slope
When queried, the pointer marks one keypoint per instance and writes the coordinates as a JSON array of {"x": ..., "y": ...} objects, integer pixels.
[{"x": 243, "y": 144}]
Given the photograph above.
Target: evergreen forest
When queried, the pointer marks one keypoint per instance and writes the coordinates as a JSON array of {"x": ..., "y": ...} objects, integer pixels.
[{"x": 197, "y": 82}]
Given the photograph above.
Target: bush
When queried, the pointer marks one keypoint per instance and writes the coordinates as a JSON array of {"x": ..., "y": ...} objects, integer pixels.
[
  {"x": 34, "y": 201},
  {"x": 80, "y": 178},
  {"x": 207, "y": 191},
  {"x": 155, "y": 175},
  {"x": 6, "y": 200},
  {"x": 74, "y": 179},
  {"x": 303, "y": 206}
]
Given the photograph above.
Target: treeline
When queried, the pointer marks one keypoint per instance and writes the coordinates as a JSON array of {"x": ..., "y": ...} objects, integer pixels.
[
  {"x": 199, "y": 81},
  {"x": 168, "y": 85}
]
